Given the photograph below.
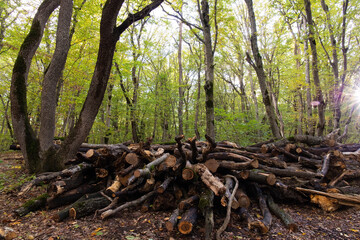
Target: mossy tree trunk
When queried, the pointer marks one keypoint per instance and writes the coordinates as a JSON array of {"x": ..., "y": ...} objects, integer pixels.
[
  {"x": 209, "y": 68},
  {"x": 24, "y": 133},
  {"x": 260, "y": 72}
]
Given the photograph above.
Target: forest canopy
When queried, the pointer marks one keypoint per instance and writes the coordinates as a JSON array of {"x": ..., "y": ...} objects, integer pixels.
[{"x": 164, "y": 68}]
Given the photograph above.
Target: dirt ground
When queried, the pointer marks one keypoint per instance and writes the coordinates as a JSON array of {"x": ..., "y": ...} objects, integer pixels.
[{"x": 132, "y": 224}]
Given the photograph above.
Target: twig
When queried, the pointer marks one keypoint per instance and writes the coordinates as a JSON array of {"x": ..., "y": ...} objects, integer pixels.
[
  {"x": 228, "y": 210},
  {"x": 108, "y": 213}
]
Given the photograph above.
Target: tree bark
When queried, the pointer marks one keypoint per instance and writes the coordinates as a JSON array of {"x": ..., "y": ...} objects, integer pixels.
[
  {"x": 315, "y": 70},
  {"x": 258, "y": 67},
  {"x": 181, "y": 90},
  {"x": 209, "y": 69},
  {"x": 49, "y": 96},
  {"x": 310, "y": 121},
  {"x": 109, "y": 35},
  {"x": 24, "y": 133}
]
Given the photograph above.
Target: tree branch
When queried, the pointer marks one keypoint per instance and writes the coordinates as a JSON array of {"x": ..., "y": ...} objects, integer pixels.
[
  {"x": 182, "y": 19},
  {"x": 145, "y": 12}
]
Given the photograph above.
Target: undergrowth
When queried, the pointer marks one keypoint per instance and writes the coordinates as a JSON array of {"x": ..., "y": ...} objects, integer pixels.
[{"x": 12, "y": 176}]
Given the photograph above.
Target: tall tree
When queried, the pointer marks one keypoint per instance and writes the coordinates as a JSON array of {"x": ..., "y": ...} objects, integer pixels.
[
  {"x": 203, "y": 9},
  {"x": 40, "y": 154},
  {"x": 181, "y": 90},
  {"x": 259, "y": 69},
  {"x": 315, "y": 69},
  {"x": 338, "y": 86}
]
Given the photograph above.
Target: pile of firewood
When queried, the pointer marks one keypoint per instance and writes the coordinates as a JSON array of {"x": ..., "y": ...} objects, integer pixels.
[{"x": 192, "y": 178}]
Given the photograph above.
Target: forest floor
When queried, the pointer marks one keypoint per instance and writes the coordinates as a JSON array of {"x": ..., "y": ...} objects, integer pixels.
[{"x": 132, "y": 224}]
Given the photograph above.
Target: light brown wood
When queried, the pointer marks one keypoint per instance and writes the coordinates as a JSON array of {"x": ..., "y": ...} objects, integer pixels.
[
  {"x": 187, "y": 221},
  {"x": 209, "y": 180},
  {"x": 132, "y": 159}
]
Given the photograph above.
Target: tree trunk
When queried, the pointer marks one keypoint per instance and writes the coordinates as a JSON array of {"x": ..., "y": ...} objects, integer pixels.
[
  {"x": 319, "y": 96},
  {"x": 310, "y": 121},
  {"x": 253, "y": 95},
  {"x": 258, "y": 67},
  {"x": 181, "y": 91},
  {"x": 24, "y": 133},
  {"x": 36, "y": 160},
  {"x": 209, "y": 69},
  {"x": 8, "y": 124},
  {"x": 197, "y": 133},
  {"x": 49, "y": 97}
]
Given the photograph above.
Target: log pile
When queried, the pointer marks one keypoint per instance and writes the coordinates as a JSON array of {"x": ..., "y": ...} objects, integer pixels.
[{"x": 193, "y": 178}]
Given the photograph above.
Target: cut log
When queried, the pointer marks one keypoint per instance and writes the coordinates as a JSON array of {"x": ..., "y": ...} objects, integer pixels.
[
  {"x": 87, "y": 207},
  {"x": 145, "y": 173},
  {"x": 242, "y": 199},
  {"x": 74, "y": 194},
  {"x": 261, "y": 177},
  {"x": 171, "y": 223},
  {"x": 160, "y": 151},
  {"x": 115, "y": 186},
  {"x": 63, "y": 214},
  {"x": 310, "y": 163},
  {"x": 32, "y": 205},
  {"x": 187, "y": 221},
  {"x": 265, "y": 224},
  {"x": 327, "y": 204},
  {"x": 148, "y": 167},
  {"x": 188, "y": 172},
  {"x": 212, "y": 165},
  {"x": 307, "y": 154},
  {"x": 269, "y": 146},
  {"x": 162, "y": 188},
  {"x": 149, "y": 185},
  {"x": 170, "y": 161},
  {"x": 309, "y": 140},
  {"x": 113, "y": 147},
  {"x": 92, "y": 155},
  {"x": 228, "y": 156},
  {"x": 144, "y": 154},
  {"x": 262, "y": 158},
  {"x": 241, "y": 175},
  {"x": 343, "y": 199},
  {"x": 64, "y": 185},
  {"x": 189, "y": 202},
  {"x": 209, "y": 180},
  {"x": 290, "y": 147},
  {"x": 280, "y": 213},
  {"x": 132, "y": 159},
  {"x": 46, "y": 177},
  {"x": 291, "y": 173}
]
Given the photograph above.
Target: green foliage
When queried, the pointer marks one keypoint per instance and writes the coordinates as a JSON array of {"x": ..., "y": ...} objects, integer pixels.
[
  {"x": 235, "y": 127},
  {"x": 237, "y": 118}
]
